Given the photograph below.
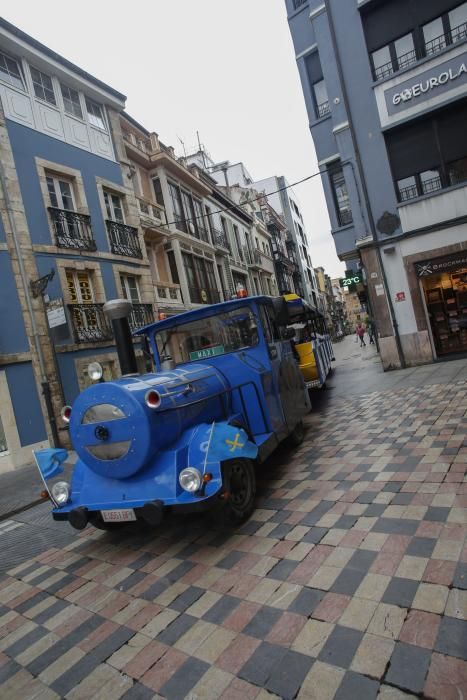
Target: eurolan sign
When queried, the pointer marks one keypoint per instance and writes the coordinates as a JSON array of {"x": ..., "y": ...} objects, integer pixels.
[
  {"x": 447, "y": 76},
  {"x": 427, "y": 85}
]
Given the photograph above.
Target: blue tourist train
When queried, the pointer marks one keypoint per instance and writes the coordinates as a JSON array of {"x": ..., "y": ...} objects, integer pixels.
[{"x": 225, "y": 392}]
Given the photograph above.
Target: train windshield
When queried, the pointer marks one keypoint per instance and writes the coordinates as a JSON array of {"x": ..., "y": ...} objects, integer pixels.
[{"x": 208, "y": 337}]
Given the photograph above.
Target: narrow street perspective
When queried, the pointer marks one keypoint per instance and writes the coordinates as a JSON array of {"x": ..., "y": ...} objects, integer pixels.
[
  {"x": 233, "y": 350},
  {"x": 348, "y": 581}
]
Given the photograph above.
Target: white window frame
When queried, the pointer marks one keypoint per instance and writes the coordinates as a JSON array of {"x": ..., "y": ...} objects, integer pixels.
[
  {"x": 125, "y": 287},
  {"x": 91, "y": 116},
  {"x": 36, "y": 96},
  {"x": 56, "y": 179},
  {"x": 3, "y": 75},
  {"x": 109, "y": 206},
  {"x": 74, "y": 274},
  {"x": 64, "y": 86}
]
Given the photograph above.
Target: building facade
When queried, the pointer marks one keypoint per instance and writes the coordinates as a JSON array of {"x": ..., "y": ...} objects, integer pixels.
[
  {"x": 385, "y": 85},
  {"x": 69, "y": 239}
]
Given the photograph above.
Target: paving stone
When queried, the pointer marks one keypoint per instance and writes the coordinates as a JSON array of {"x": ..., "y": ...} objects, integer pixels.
[
  {"x": 447, "y": 678},
  {"x": 321, "y": 682},
  {"x": 261, "y": 664},
  {"x": 452, "y": 638},
  {"x": 421, "y": 546},
  {"x": 348, "y": 581},
  {"x": 262, "y": 623},
  {"x": 401, "y": 592},
  {"x": 176, "y": 629},
  {"x": 341, "y": 646},
  {"x": 354, "y": 685},
  {"x": 372, "y": 656},
  {"x": 288, "y": 674},
  {"x": 456, "y": 605},
  {"x": 408, "y": 667},
  {"x": 431, "y": 597},
  {"x": 420, "y": 629},
  {"x": 184, "y": 679},
  {"x": 460, "y": 576},
  {"x": 306, "y": 601}
]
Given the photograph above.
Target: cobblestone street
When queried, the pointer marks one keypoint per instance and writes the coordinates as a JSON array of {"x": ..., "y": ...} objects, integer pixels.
[{"x": 348, "y": 582}]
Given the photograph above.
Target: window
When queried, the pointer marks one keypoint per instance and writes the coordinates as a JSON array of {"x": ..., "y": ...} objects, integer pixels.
[
  {"x": 130, "y": 288},
  {"x": 71, "y": 101},
  {"x": 433, "y": 36},
  {"x": 79, "y": 287},
  {"x": 341, "y": 196},
  {"x": 95, "y": 115},
  {"x": 43, "y": 88},
  {"x": 457, "y": 171},
  {"x": 227, "y": 332},
  {"x": 321, "y": 99},
  {"x": 430, "y": 181},
  {"x": 407, "y": 188},
  {"x": 10, "y": 71},
  {"x": 177, "y": 207},
  {"x": 394, "y": 56},
  {"x": 173, "y": 267},
  {"x": 237, "y": 241},
  {"x": 201, "y": 280},
  {"x": 458, "y": 22},
  {"x": 156, "y": 183},
  {"x": 60, "y": 193},
  {"x": 114, "y": 207}
]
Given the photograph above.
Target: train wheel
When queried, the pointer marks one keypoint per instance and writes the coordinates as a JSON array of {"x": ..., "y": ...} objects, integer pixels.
[
  {"x": 238, "y": 500},
  {"x": 297, "y": 435}
]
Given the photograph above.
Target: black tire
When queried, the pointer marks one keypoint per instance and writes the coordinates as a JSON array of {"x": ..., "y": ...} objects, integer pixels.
[
  {"x": 297, "y": 435},
  {"x": 238, "y": 501}
]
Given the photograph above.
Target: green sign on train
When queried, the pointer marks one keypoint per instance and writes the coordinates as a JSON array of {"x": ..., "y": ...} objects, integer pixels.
[{"x": 205, "y": 353}]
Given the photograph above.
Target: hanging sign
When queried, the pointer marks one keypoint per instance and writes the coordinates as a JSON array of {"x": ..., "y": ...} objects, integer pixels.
[{"x": 56, "y": 313}]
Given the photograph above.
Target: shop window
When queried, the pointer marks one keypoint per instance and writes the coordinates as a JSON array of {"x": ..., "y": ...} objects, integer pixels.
[{"x": 446, "y": 303}]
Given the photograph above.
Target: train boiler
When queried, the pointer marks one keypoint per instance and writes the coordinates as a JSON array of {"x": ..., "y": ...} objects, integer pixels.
[{"x": 225, "y": 392}]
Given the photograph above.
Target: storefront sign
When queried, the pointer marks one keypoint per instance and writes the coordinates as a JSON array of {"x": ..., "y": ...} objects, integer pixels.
[
  {"x": 56, "y": 313},
  {"x": 400, "y": 296},
  {"x": 447, "y": 76},
  {"x": 439, "y": 265}
]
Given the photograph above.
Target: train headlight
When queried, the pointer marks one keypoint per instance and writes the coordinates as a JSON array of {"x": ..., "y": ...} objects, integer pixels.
[
  {"x": 95, "y": 371},
  {"x": 61, "y": 492},
  {"x": 190, "y": 479}
]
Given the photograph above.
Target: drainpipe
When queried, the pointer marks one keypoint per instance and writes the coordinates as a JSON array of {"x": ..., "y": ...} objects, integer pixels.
[
  {"x": 361, "y": 173},
  {"x": 35, "y": 334}
]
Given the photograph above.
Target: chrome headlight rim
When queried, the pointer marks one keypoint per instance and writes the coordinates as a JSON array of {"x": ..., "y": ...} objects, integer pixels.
[
  {"x": 190, "y": 479},
  {"x": 61, "y": 493},
  {"x": 95, "y": 371}
]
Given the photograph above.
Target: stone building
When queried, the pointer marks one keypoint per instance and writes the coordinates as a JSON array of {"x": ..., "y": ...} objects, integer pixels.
[{"x": 70, "y": 238}]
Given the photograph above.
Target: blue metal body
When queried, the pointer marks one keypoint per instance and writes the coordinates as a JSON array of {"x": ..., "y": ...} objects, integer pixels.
[{"x": 131, "y": 454}]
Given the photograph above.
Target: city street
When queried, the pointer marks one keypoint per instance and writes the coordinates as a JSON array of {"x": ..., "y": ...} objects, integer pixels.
[{"x": 348, "y": 582}]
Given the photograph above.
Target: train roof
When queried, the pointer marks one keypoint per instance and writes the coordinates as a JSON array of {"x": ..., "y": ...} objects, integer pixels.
[{"x": 203, "y": 312}]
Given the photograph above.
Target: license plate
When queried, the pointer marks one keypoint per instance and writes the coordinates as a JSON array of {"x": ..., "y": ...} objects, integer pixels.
[{"x": 118, "y": 516}]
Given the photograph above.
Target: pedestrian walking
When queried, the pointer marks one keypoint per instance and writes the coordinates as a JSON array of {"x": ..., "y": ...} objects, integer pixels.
[
  {"x": 360, "y": 331},
  {"x": 371, "y": 331}
]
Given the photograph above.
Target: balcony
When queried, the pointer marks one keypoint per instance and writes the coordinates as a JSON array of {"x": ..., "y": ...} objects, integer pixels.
[
  {"x": 141, "y": 315},
  {"x": 323, "y": 109},
  {"x": 89, "y": 323},
  {"x": 451, "y": 37},
  {"x": 123, "y": 239},
  {"x": 168, "y": 295},
  {"x": 151, "y": 215},
  {"x": 298, "y": 3},
  {"x": 72, "y": 230},
  {"x": 219, "y": 239},
  {"x": 403, "y": 61},
  {"x": 344, "y": 217}
]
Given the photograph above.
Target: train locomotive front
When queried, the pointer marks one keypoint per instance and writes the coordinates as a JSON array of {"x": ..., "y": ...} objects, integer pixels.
[{"x": 183, "y": 437}]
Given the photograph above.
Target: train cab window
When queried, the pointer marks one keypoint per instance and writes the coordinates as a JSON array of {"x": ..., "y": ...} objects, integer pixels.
[
  {"x": 208, "y": 337},
  {"x": 270, "y": 327}
]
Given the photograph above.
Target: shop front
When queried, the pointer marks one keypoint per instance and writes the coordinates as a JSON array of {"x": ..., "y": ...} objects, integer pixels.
[{"x": 443, "y": 284}]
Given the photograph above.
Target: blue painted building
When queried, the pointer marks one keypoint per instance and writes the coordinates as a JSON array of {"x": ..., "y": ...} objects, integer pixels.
[
  {"x": 385, "y": 86},
  {"x": 70, "y": 238}
]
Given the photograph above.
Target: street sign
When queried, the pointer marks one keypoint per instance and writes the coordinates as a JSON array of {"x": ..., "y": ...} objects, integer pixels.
[{"x": 56, "y": 313}]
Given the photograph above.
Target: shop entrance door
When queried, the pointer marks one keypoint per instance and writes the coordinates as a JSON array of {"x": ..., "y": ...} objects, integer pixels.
[{"x": 446, "y": 301}]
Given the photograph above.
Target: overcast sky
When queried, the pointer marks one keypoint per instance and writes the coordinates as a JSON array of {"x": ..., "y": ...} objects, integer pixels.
[{"x": 223, "y": 68}]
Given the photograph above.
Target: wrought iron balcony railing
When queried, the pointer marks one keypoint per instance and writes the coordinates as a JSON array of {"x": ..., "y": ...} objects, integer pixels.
[
  {"x": 89, "y": 323},
  {"x": 345, "y": 217},
  {"x": 219, "y": 238},
  {"x": 298, "y": 3},
  {"x": 441, "y": 42},
  {"x": 123, "y": 239},
  {"x": 323, "y": 109},
  {"x": 72, "y": 230},
  {"x": 141, "y": 315}
]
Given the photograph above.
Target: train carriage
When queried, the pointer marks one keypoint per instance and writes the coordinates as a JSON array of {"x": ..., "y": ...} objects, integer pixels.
[
  {"x": 312, "y": 341},
  {"x": 225, "y": 392}
]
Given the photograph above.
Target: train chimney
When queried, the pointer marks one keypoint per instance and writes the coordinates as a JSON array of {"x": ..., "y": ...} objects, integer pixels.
[{"x": 117, "y": 311}]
